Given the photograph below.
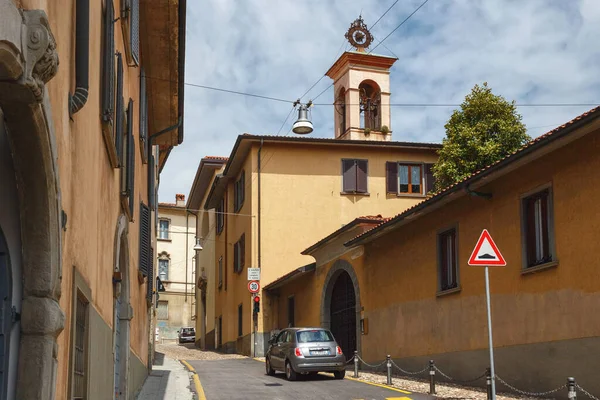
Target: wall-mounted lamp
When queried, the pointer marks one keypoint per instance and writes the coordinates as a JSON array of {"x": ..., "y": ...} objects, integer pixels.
[{"x": 198, "y": 246}]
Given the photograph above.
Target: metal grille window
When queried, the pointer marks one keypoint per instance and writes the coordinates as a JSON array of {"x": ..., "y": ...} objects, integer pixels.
[
  {"x": 354, "y": 176},
  {"x": 130, "y": 17},
  {"x": 163, "y": 229},
  {"x": 537, "y": 223},
  {"x": 162, "y": 310},
  {"x": 80, "y": 350},
  {"x": 163, "y": 269},
  {"x": 448, "y": 260}
]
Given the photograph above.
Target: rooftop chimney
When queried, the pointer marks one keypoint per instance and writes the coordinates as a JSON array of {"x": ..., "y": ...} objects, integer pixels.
[{"x": 180, "y": 200}]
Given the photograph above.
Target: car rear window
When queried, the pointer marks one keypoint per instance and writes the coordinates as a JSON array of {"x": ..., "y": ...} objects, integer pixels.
[
  {"x": 315, "y": 335},
  {"x": 188, "y": 330}
]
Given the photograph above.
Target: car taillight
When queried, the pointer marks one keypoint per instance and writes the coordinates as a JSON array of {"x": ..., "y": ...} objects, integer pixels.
[
  {"x": 298, "y": 352},
  {"x": 339, "y": 350}
]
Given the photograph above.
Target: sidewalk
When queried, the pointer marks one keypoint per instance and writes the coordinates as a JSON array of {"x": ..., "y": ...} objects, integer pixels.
[{"x": 169, "y": 380}]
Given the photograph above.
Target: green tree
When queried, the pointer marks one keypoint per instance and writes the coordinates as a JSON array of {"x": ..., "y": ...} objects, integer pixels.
[{"x": 485, "y": 129}]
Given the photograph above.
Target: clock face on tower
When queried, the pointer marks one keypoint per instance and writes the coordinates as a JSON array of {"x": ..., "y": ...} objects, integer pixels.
[{"x": 358, "y": 35}]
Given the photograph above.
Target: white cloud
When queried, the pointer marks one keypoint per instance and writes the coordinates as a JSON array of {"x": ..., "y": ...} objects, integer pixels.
[{"x": 534, "y": 51}]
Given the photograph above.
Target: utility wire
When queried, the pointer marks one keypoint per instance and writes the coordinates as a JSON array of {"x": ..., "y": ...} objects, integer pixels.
[{"x": 383, "y": 15}]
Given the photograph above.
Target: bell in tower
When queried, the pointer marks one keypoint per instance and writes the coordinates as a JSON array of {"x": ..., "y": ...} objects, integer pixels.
[{"x": 361, "y": 89}]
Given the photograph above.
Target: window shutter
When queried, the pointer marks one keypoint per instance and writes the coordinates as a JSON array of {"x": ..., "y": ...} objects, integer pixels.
[
  {"x": 143, "y": 117},
  {"x": 134, "y": 30},
  {"x": 243, "y": 188},
  {"x": 119, "y": 109},
  {"x": 443, "y": 262},
  {"x": 108, "y": 64},
  {"x": 151, "y": 279},
  {"x": 361, "y": 176},
  {"x": 235, "y": 257},
  {"x": 130, "y": 156},
  {"x": 391, "y": 177},
  {"x": 545, "y": 228},
  {"x": 349, "y": 175},
  {"x": 530, "y": 230},
  {"x": 429, "y": 178},
  {"x": 151, "y": 198},
  {"x": 145, "y": 229},
  {"x": 242, "y": 251}
]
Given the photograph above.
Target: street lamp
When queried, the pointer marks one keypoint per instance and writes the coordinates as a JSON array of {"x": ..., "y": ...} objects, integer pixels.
[
  {"x": 198, "y": 246},
  {"x": 302, "y": 126}
]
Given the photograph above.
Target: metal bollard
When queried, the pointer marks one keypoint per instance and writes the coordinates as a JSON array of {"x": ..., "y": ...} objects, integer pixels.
[
  {"x": 431, "y": 377},
  {"x": 571, "y": 386},
  {"x": 389, "y": 369},
  {"x": 488, "y": 382},
  {"x": 356, "y": 363}
]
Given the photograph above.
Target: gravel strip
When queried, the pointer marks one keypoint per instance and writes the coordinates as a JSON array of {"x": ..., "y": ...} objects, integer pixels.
[
  {"x": 189, "y": 352},
  {"x": 443, "y": 390}
]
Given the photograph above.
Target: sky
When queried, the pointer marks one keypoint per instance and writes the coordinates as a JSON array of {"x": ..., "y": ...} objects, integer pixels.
[{"x": 530, "y": 51}]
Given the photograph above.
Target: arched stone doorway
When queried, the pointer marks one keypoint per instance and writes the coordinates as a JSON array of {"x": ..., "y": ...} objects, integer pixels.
[
  {"x": 28, "y": 60},
  {"x": 122, "y": 310},
  {"x": 340, "y": 306}
]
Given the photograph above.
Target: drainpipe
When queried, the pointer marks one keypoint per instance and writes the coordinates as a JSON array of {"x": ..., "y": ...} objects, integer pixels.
[
  {"x": 82, "y": 57},
  {"x": 187, "y": 214},
  {"x": 258, "y": 235}
]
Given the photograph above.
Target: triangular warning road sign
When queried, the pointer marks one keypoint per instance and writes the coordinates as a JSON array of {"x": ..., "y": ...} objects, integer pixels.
[{"x": 486, "y": 252}]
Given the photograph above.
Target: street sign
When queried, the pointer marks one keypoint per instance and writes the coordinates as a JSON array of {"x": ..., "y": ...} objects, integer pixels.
[
  {"x": 253, "y": 286},
  {"x": 486, "y": 253},
  {"x": 254, "y": 274}
]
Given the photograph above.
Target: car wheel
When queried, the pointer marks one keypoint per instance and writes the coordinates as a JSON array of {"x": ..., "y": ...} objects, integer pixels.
[
  {"x": 290, "y": 374},
  {"x": 339, "y": 374},
  {"x": 270, "y": 370}
]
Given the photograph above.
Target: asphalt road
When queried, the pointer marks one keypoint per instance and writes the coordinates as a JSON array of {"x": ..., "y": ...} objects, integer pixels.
[{"x": 245, "y": 379}]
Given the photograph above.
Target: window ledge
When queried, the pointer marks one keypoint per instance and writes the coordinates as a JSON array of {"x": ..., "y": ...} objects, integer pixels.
[
  {"x": 164, "y": 240},
  {"x": 355, "y": 194},
  {"x": 411, "y": 195},
  {"x": 538, "y": 268},
  {"x": 448, "y": 291}
]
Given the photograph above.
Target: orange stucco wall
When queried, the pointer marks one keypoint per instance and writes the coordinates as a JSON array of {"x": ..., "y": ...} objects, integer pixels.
[
  {"x": 398, "y": 273},
  {"x": 89, "y": 184}
]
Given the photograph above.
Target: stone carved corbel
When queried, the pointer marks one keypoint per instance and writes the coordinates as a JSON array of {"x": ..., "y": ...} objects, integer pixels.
[{"x": 39, "y": 49}]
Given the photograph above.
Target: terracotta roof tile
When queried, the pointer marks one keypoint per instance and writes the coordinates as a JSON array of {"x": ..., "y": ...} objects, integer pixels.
[
  {"x": 436, "y": 195},
  {"x": 216, "y": 158}
]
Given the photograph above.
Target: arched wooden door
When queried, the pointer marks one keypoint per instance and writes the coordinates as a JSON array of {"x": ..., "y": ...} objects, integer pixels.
[{"x": 343, "y": 313}]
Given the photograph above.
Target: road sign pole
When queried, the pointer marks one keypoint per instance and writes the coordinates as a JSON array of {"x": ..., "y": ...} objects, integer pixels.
[{"x": 491, "y": 342}]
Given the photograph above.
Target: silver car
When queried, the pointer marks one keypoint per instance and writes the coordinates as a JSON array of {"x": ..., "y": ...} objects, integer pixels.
[{"x": 305, "y": 351}]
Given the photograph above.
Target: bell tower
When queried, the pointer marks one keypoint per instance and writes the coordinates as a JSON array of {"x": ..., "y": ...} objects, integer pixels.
[{"x": 361, "y": 89}]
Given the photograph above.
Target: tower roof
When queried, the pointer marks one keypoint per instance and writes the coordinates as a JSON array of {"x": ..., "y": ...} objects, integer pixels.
[{"x": 361, "y": 59}]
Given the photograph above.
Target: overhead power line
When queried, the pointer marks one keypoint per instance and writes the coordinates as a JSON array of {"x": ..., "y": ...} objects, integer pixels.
[{"x": 383, "y": 15}]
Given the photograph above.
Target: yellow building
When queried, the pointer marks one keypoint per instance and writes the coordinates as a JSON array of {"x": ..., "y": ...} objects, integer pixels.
[
  {"x": 276, "y": 195},
  {"x": 404, "y": 287},
  {"x": 176, "y": 237},
  {"x": 79, "y": 161}
]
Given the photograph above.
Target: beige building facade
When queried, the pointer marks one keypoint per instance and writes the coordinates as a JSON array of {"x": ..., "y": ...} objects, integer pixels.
[
  {"x": 176, "y": 268},
  {"x": 79, "y": 164}
]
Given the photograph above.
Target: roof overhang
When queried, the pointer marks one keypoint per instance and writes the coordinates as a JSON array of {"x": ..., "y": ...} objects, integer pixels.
[
  {"x": 291, "y": 276},
  {"x": 355, "y": 222},
  {"x": 202, "y": 180},
  {"x": 217, "y": 190},
  {"x": 162, "y": 28},
  {"x": 359, "y": 59},
  {"x": 545, "y": 144}
]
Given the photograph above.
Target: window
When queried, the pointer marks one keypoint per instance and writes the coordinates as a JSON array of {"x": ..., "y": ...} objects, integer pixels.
[
  {"x": 354, "y": 176},
  {"x": 163, "y": 229},
  {"x": 220, "y": 272},
  {"x": 239, "y": 254},
  {"x": 119, "y": 110},
  {"x": 128, "y": 165},
  {"x": 406, "y": 178},
  {"x": 108, "y": 82},
  {"x": 151, "y": 184},
  {"x": 291, "y": 309},
  {"x": 220, "y": 332},
  {"x": 143, "y": 118},
  {"x": 220, "y": 216},
  {"x": 80, "y": 349},
  {"x": 162, "y": 310},
  {"x": 448, "y": 260},
  {"x": 146, "y": 252},
  {"x": 163, "y": 269},
  {"x": 240, "y": 320},
  {"x": 370, "y": 101},
  {"x": 537, "y": 228},
  {"x": 130, "y": 23},
  {"x": 239, "y": 192}
]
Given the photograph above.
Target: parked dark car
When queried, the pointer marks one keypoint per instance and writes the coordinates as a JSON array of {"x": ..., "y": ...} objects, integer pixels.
[
  {"x": 187, "y": 335},
  {"x": 305, "y": 351}
]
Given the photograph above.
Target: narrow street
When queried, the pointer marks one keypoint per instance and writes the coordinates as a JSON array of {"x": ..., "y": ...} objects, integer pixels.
[{"x": 246, "y": 379}]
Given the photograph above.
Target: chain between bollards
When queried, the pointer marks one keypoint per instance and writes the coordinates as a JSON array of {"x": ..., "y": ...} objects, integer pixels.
[
  {"x": 356, "y": 363},
  {"x": 388, "y": 359},
  {"x": 431, "y": 377},
  {"x": 571, "y": 386}
]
